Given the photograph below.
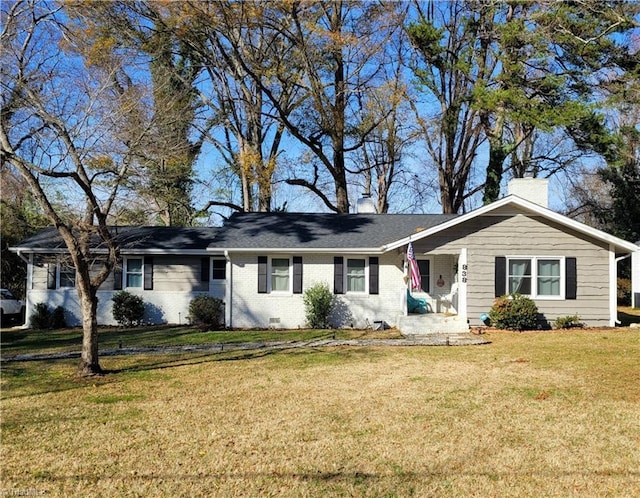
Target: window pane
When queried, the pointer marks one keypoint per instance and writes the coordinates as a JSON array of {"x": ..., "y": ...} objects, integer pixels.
[
  {"x": 549, "y": 277},
  {"x": 67, "y": 276},
  {"x": 355, "y": 275},
  {"x": 134, "y": 280},
  {"x": 425, "y": 277},
  {"x": 280, "y": 274},
  {"x": 520, "y": 276}
]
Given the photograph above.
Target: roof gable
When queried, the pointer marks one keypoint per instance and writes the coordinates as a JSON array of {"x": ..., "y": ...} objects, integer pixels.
[{"x": 501, "y": 207}]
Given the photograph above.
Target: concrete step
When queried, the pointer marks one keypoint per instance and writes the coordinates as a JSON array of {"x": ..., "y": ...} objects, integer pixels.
[{"x": 431, "y": 323}]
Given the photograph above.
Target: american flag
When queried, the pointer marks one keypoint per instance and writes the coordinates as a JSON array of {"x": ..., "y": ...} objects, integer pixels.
[{"x": 416, "y": 281}]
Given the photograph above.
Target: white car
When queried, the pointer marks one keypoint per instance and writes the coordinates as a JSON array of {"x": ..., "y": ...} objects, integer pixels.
[{"x": 10, "y": 306}]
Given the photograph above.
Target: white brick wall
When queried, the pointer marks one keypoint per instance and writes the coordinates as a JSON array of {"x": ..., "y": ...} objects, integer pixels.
[
  {"x": 286, "y": 310},
  {"x": 160, "y": 307}
]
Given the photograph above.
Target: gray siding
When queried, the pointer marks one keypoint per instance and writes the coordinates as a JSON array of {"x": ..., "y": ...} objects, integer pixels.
[
  {"x": 170, "y": 273},
  {"x": 490, "y": 236}
]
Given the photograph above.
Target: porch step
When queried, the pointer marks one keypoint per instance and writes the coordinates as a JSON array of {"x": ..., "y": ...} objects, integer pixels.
[{"x": 431, "y": 323}]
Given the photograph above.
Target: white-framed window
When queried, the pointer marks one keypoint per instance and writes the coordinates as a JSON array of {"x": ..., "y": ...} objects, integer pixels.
[
  {"x": 280, "y": 275},
  {"x": 133, "y": 272},
  {"x": 67, "y": 275},
  {"x": 356, "y": 275},
  {"x": 536, "y": 276}
]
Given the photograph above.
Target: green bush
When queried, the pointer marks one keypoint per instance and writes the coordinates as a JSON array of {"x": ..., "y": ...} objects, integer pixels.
[
  {"x": 514, "y": 312},
  {"x": 128, "y": 310},
  {"x": 57, "y": 318},
  {"x": 318, "y": 303},
  {"x": 206, "y": 312},
  {"x": 568, "y": 322},
  {"x": 42, "y": 318}
]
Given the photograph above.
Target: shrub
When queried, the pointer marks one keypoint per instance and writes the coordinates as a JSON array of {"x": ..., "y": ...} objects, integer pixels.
[
  {"x": 206, "y": 312},
  {"x": 318, "y": 303},
  {"x": 567, "y": 322},
  {"x": 57, "y": 318},
  {"x": 515, "y": 312},
  {"x": 128, "y": 310},
  {"x": 41, "y": 317}
]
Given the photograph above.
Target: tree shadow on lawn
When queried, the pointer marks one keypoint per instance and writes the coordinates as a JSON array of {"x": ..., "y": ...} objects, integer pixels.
[{"x": 305, "y": 356}]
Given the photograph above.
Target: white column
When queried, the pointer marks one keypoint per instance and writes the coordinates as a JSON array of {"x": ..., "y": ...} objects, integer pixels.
[
  {"x": 463, "y": 275},
  {"x": 613, "y": 287}
]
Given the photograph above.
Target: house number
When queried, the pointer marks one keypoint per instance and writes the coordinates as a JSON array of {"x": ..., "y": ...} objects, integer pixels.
[{"x": 464, "y": 274}]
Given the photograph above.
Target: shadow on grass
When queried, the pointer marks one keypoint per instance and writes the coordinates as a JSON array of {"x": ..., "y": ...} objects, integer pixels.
[
  {"x": 628, "y": 315},
  {"x": 27, "y": 378}
]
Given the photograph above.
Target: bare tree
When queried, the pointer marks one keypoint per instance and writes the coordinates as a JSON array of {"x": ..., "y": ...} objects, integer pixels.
[{"x": 67, "y": 131}]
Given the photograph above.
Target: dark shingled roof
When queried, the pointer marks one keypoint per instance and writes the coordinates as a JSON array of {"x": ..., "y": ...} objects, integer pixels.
[
  {"x": 264, "y": 231},
  {"x": 319, "y": 230},
  {"x": 134, "y": 238}
]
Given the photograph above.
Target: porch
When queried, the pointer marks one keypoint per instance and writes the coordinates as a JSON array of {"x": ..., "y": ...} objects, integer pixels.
[
  {"x": 439, "y": 305},
  {"x": 432, "y": 323}
]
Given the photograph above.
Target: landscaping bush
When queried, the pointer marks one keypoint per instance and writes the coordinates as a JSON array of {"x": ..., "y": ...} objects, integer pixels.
[
  {"x": 568, "y": 322},
  {"x": 206, "y": 312},
  {"x": 128, "y": 310},
  {"x": 42, "y": 318},
  {"x": 57, "y": 318},
  {"x": 514, "y": 312},
  {"x": 318, "y": 303}
]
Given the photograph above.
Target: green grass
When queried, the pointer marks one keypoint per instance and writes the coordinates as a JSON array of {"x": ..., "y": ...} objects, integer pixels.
[{"x": 65, "y": 340}]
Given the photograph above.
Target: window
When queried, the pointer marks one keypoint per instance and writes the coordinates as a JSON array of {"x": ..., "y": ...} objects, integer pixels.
[
  {"x": 67, "y": 275},
  {"x": 425, "y": 277},
  {"x": 536, "y": 276},
  {"x": 280, "y": 274},
  {"x": 356, "y": 275},
  {"x": 134, "y": 272},
  {"x": 219, "y": 269},
  {"x": 549, "y": 277}
]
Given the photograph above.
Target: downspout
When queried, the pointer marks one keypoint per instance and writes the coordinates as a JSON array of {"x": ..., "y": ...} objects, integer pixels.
[
  {"x": 19, "y": 253},
  {"x": 615, "y": 280}
]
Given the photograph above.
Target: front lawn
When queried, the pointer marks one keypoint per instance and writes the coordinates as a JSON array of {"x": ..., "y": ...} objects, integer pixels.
[
  {"x": 531, "y": 414},
  {"x": 16, "y": 341}
]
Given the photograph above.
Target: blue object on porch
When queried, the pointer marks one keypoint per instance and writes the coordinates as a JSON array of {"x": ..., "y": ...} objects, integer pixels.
[{"x": 416, "y": 305}]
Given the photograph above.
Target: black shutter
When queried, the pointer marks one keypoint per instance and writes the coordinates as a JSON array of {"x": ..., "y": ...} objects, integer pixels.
[
  {"x": 148, "y": 273},
  {"x": 500, "y": 276},
  {"x": 117, "y": 275},
  {"x": 262, "y": 274},
  {"x": 373, "y": 275},
  {"x": 338, "y": 275},
  {"x": 205, "y": 269},
  {"x": 52, "y": 270},
  {"x": 571, "y": 278},
  {"x": 297, "y": 274}
]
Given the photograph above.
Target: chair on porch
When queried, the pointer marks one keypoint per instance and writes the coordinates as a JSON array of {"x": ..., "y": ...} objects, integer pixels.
[{"x": 416, "y": 305}]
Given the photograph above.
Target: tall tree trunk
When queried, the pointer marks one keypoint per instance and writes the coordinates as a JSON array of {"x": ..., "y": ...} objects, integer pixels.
[{"x": 89, "y": 364}]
